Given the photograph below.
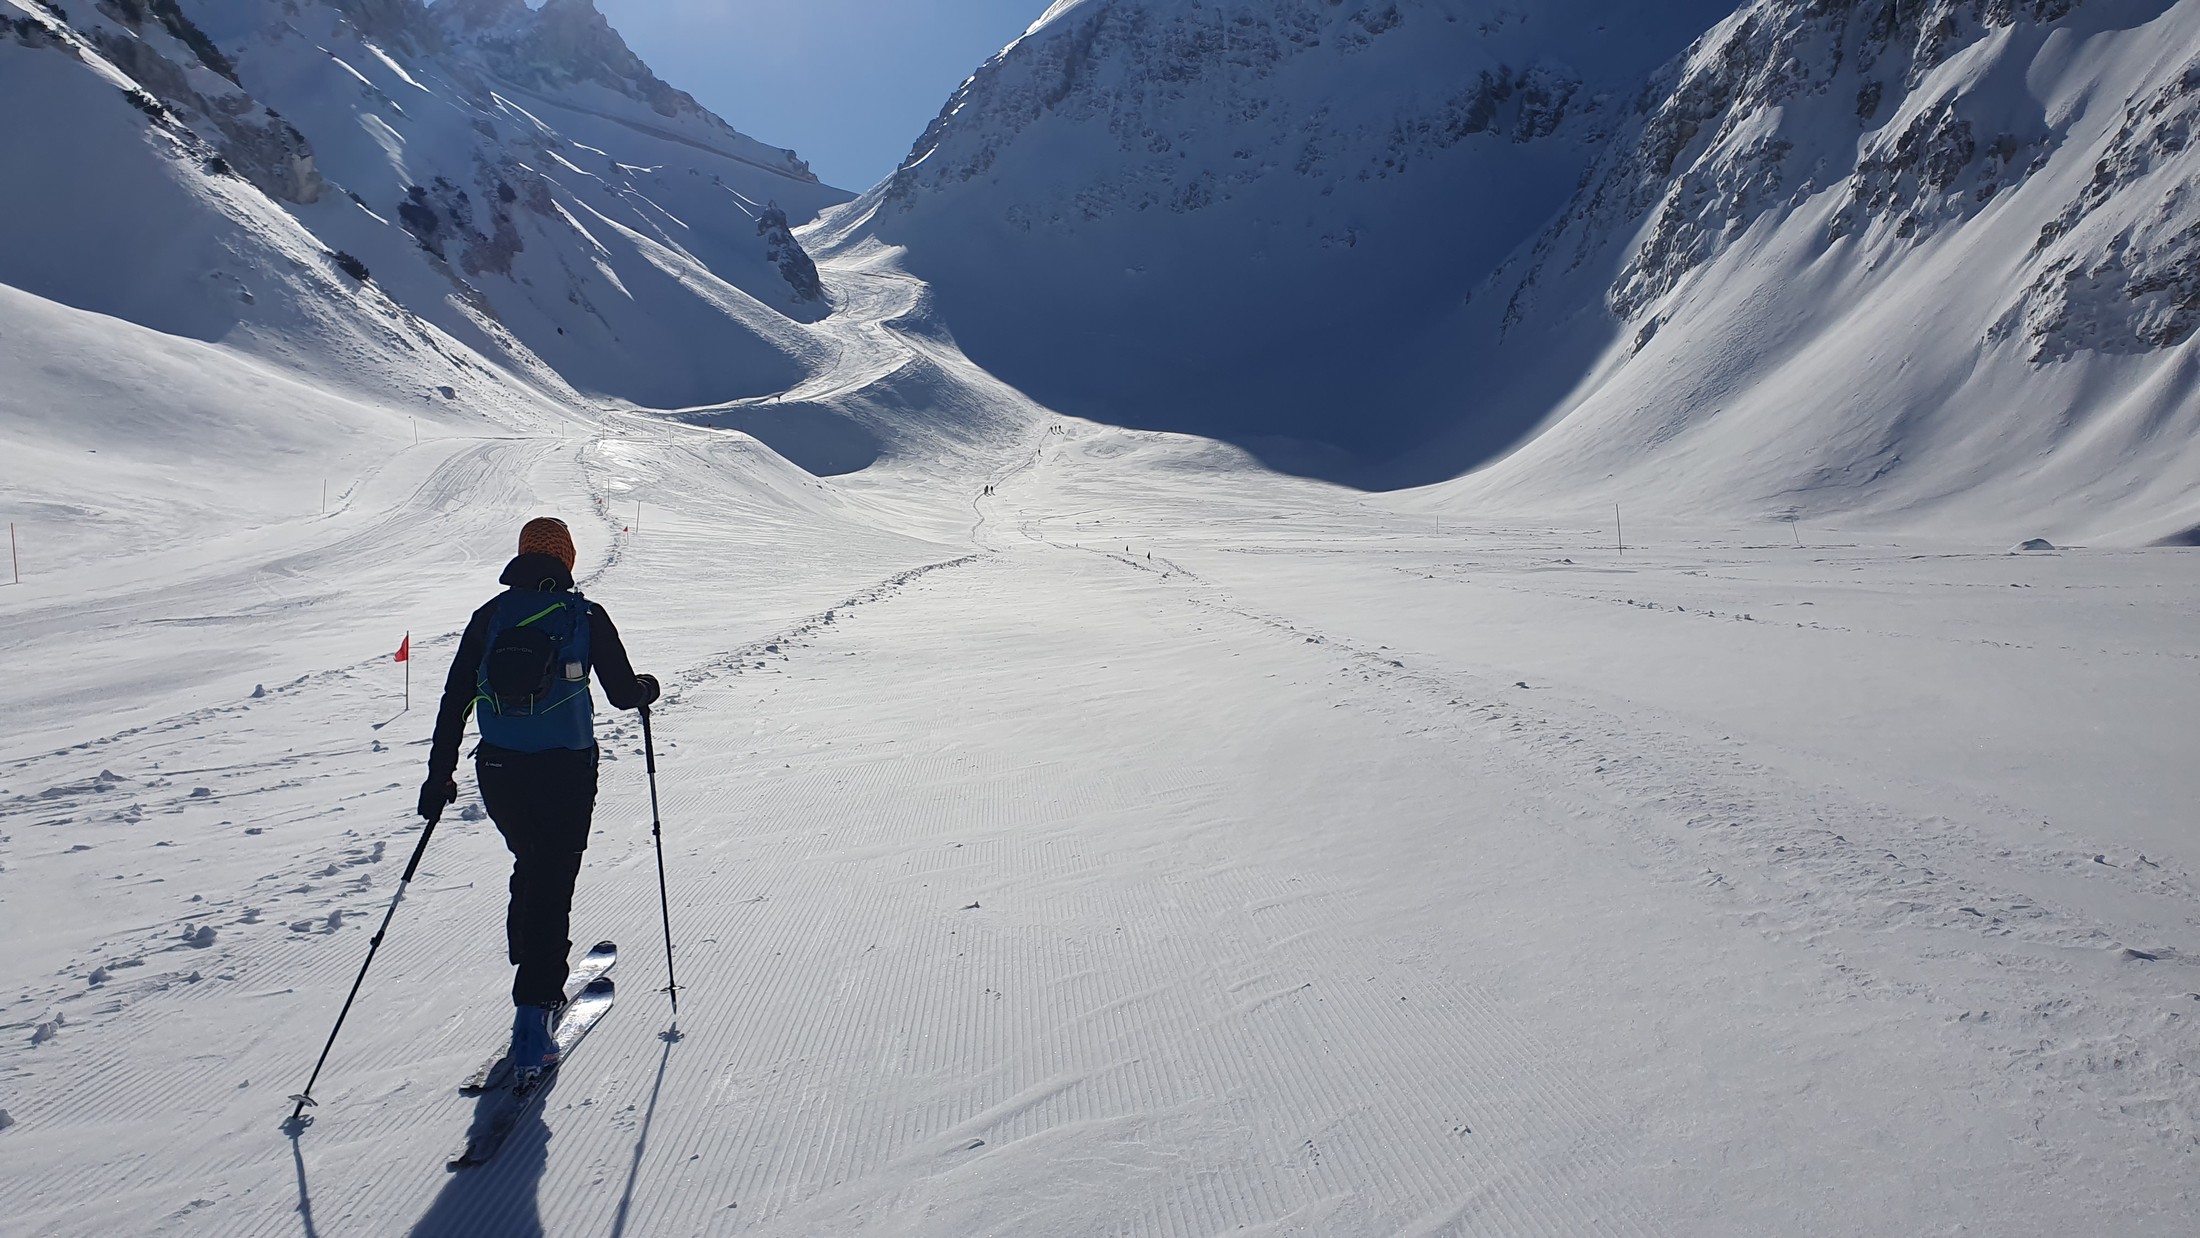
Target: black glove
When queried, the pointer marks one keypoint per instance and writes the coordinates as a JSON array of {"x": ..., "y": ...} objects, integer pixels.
[
  {"x": 650, "y": 690},
  {"x": 436, "y": 792}
]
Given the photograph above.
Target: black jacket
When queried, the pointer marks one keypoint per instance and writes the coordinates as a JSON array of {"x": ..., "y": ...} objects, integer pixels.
[{"x": 605, "y": 653}]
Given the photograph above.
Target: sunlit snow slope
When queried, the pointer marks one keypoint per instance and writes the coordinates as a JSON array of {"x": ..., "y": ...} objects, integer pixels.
[
  {"x": 255, "y": 249},
  {"x": 1934, "y": 267}
]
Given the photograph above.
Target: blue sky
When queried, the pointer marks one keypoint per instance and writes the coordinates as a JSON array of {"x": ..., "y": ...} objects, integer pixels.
[{"x": 849, "y": 84}]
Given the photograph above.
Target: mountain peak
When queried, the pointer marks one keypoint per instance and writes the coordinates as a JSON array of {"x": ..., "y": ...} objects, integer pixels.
[
  {"x": 474, "y": 16},
  {"x": 564, "y": 43}
]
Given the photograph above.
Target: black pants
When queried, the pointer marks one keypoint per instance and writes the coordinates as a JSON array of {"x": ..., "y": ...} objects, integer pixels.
[{"x": 542, "y": 803}]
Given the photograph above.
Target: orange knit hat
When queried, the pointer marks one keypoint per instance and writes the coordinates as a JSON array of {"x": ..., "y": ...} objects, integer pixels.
[{"x": 547, "y": 535}]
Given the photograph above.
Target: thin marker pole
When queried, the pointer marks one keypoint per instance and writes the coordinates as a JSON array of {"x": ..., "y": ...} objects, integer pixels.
[
  {"x": 13, "y": 554},
  {"x": 1619, "y": 531}
]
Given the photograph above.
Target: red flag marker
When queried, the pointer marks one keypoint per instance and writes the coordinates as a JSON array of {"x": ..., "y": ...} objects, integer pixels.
[
  {"x": 404, "y": 651},
  {"x": 405, "y": 655}
]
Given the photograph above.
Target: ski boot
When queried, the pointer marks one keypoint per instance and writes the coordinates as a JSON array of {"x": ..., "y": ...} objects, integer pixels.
[{"x": 534, "y": 1050}]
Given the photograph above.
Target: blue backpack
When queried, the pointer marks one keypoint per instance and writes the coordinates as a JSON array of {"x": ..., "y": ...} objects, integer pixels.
[{"x": 531, "y": 692}]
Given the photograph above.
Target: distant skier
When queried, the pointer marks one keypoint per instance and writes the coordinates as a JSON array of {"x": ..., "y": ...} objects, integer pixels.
[{"x": 522, "y": 670}]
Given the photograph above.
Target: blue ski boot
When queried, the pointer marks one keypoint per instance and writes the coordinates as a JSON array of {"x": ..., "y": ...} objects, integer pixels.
[{"x": 533, "y": 1049}]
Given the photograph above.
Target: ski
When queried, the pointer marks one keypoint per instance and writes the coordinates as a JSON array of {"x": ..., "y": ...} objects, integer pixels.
[
  {"x": 497, "y": 1071},
  {"x": 502, "y": 1114}
]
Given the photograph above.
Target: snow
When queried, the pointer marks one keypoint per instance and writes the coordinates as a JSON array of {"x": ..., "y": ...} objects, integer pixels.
[
  {"x": 1811, "y": 354},
  {"x": 1072, "y": 828},
  {"x": 1551, "y": 275},
  {"x": 1093, "y": 235},
  {"x": 1026, "y": 884}
]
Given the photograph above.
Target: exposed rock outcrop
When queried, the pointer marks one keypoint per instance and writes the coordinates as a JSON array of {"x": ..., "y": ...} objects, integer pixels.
[
  {"x": 1728, "y": 134},
  {"x": 786, "y": 253},
  {"x": 190, "y": 83},
  {"x": 2110, "y": 284}
]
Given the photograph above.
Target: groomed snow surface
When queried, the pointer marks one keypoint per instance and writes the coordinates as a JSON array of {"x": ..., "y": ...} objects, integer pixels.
[{"x": 1157, "y": 846}]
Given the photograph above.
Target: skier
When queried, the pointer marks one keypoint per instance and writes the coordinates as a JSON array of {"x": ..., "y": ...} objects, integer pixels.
[{"x": 522, "y": 670}]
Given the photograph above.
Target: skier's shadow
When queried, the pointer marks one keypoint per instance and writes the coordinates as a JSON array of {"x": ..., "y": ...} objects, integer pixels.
[{"x": 499, "y": 1199}]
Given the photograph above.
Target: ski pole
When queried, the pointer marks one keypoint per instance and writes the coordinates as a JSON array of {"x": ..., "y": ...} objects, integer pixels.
[
  {"x": 657, "y": 832},
  {"x": 305, "y": 1098}
]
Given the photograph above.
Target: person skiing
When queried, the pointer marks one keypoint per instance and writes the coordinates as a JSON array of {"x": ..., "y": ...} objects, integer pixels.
[{"x": 522, "y": 670}]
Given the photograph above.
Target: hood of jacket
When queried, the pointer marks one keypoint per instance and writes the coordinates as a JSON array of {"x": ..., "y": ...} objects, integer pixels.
[{"x": 541, "y": 573}]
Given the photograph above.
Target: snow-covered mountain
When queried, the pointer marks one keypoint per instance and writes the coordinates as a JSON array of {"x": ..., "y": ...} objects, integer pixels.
[
  {"x": 513, "y": 178},
  {"x": 1934, "y": 260},
  {"x": 1926, "y": 261},
  {"x": 1234, "y": 218},
  {"x": 1833, "y": 255},
  {"x": 253, "y": 245}
]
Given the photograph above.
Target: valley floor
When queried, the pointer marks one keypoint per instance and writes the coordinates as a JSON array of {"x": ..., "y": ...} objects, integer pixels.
[{"x": 1180, "y": 850}]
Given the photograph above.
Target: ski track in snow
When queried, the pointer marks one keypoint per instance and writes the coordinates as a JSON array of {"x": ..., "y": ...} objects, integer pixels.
[{"x": 1045, "y": 888}]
